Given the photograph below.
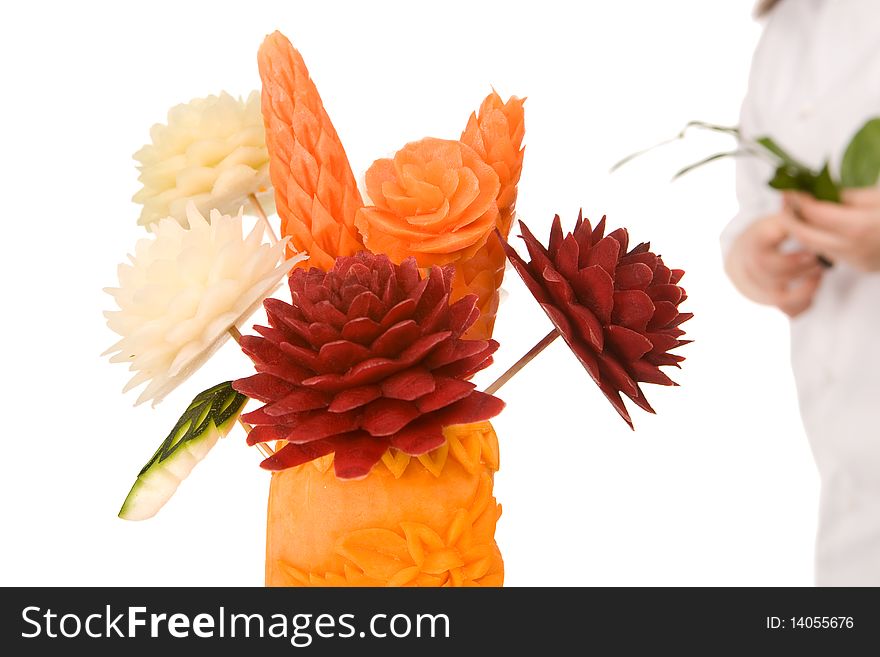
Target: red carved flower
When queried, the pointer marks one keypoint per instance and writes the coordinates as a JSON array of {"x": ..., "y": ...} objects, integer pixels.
[
  {"x": 616, "y": 309},
  {"x": 368, "y": 356}
]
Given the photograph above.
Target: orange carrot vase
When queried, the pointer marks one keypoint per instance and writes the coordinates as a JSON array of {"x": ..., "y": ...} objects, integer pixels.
[{"x": 413, "y": 521}]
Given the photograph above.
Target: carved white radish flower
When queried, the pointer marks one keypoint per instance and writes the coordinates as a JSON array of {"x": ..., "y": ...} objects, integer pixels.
[
  {"x": 182, "y": 292},
  {"x": 212, "y": 152}
]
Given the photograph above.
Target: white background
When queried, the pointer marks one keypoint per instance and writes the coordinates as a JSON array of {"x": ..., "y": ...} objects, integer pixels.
[{"x": 718, "y": 489}]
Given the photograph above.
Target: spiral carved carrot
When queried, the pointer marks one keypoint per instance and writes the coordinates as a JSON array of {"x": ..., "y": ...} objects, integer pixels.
[{"x": 496, "y": 133}]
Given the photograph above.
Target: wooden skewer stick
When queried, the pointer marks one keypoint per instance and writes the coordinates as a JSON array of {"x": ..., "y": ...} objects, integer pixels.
[
  {"x": 262, "y": 215},
  {"x": 265, "y": 450},
  {"x": 522, "y": 362}
]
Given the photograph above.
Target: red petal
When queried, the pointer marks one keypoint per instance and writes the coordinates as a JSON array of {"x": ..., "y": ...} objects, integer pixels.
[
  {"x": 434, "y": 294},
  {"x": 538, "y": 254},
  {"x": 645, "y": 371},
  {"x": 661, "y": 343},
  {"x": 302, "y": 356},
  {"x": 632, "y": 309},
  {"x": 664, "y": 315},
  {"x": 321, "y": 334},
  {"x": 446, "y": 392},
  {"x": 452, "y": 350},
  {"x": 594, "y": 288},
  {"x": 622, "y": 237},
  {"x": 356, "y": 454},
  {"x": 676, "y": 275},
  {"x": 408, "y": 274},
  {"x": 352, "y": 398},
  {"x": 662, "y": 273},
  {"x": 291, "y": 455},
  {"x": 555, "y": 237},
  {"x": 599, "y": 231},
  {"x": 615, "y": 374},
  {"x": 340, "y": 355},
  {"x": 260, "y": 417},
  {"x": 641, "y": 402},
  {"x": 419, "y": 437},
  {"x": 263, "y": 387},
  {"x": 587, "y": 325},
  {"x": 635, "y": 276},
  {"x": 605, "y": 254},
  {"x": 364, "y": 373},
  {"x": 644, "y": 258},
  {"x": 557, "y": 285},
  {"x": 467, "y": 367},
  {"x": 396, "y": 339},
  {"x": 326, "y": 313},
  {"x": 298, "y": 401},
  {"x": 362, "y": 330},
  {"x": 269, "y": 359},
  {"x": 476, "y": 407},
  {"x": 385, "y": 417},
  {"x": 267, "y": 433},
  {"x": 681, "y": 319},
  {"x": 629, "y": 345},
  {"x": 423, "y": 346},
  {"x": 461, "y": 314},
  {"x": 282, "y": 314},
  {"x": 323, "y": 424},
  {"x": 559, "y": 319},
  {"x": 408, "y": 385},
  {"x": 277, "y": 336},
  {"x": 366, "y": 304},
  {"x": 438, "y": 318},
  {"x": 566, "y": 259},
  {"x": 398, "y": 313},
  {"x": 664, "y": 359}
]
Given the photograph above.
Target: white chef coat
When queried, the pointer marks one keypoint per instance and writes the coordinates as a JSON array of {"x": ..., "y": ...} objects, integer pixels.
[{"x": 815, "y": 80}]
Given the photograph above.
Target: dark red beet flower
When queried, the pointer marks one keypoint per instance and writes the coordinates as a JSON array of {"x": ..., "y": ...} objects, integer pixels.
[
  {"x": 616, "y": 309},
  {"x": 369, "y": 356}
]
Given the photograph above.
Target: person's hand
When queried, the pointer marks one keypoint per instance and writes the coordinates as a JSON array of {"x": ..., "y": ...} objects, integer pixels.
[
  {"x": 848, "y": 231},
  {"x": 767, "y": 275}
]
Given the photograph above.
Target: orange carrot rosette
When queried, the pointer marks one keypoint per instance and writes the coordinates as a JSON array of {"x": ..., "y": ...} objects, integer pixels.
[{"x": 435, "y": 200}]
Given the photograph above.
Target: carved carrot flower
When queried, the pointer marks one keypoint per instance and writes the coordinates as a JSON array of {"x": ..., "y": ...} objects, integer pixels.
[
  {"x": 496, "y": 134},
  {"x": 316, "y": 195},
  {"x": 434, "y": 201}
]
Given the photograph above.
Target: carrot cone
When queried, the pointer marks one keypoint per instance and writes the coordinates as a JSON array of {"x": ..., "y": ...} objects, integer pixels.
[
  {"x": 315, "y": 191},
  {"x": 414, "y": 521},
  {"x": 496, "y": 134}
]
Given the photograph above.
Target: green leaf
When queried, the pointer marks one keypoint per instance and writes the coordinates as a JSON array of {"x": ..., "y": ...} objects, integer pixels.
[
  {"x": 784, "y": 178},
  {"x": 216, "y": 407},
  {"x": 824, "y": 188},
  {"x": 788, "y": 160},
  {"x": 861, "y": 161}
]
